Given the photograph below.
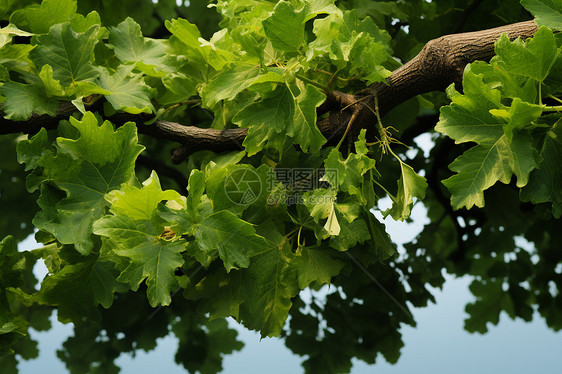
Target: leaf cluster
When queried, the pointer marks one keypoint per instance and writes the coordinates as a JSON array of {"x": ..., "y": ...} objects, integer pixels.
[{"x": 130, "y": 260}]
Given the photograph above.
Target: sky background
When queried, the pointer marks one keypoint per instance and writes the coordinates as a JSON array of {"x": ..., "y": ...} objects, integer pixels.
[{"x": 438, "y": 344}]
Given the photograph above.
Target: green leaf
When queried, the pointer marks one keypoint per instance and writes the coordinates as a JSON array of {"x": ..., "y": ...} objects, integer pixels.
[
  {"x": 321, "y": 205},
  {"x": 320, "y": 202},
  {"x": 357, "y": 48},
  {"x": 203, "y": 56},
  {"x": 547, "y": 12},
  {"x": 68, "y": 53},
  {"x": 260, "y": 296},
  {"x": 24, "y": 100},
  {"x": 286, "y": 111},
  {"x": 252, "y": 40},
  {"x": 269, "y": 285},
  {"x": 52, "y": 86},
  {"x": 97, "y": 144},
  {"x": 481, "y": 167},
  {"x": 195, "y": 188},
  {"x": 520, "y": 115},
  {"x": 79, "y": 23},
  {"x": 79, "y": 288},
  {"x": 266, "y": 119},
  {"x": 236, "y": 187},
  {"x": 532, "y": 58},
  {"x": 382, "y": 245},
  {"x": 219, "y": 292},
  {"x": 15, "y": 57},
  {"x": 152, "y": 257},
  {"x": 31, "y": 151},
  {"x": 16, "y": 271},
  {"x": 235, "y": 240},
  {"x": 544, "y": 183},
  {"x": 316, "y": 265},
  {"x": 277, "y": 289},
  {"x": 351, "y": 234},
  {"x": 140, "y": 203},
  {"x": 349, "y": 174},
  {"x": 137, "y": 231},
  {"x": 235, "y": 79},
  {"x": 316, "y": 7},
  {"x": 303, "y": 127},
  {"x": 410, "y": 185},
  {"x": 8, "y": 32},
  {"x": 87, "y": 168},
  {"x": 188, "y": 34},
  {"x": 130, "y": 46},
  {"x": 470, "y": 118},
  {"x": 128, "y": 92},
  {"x": 179, "y": 87},
  {"x": 285, "y": 27},
  {"x": 39, "y": 18},
  {"x": 512, "y": 86}
]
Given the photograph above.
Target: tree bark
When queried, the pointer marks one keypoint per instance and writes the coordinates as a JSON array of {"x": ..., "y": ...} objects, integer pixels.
[{"x": 440, "y": 63}]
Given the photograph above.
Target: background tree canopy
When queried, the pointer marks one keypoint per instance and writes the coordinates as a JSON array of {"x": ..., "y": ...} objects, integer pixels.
[{"x": 183, "y": 163}]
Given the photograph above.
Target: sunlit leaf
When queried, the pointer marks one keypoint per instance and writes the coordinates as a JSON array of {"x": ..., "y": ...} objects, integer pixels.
[
  {"x": 39, "y": 18},
  {"x": 547, "y": 12},
  {"x": 128, "y": 92}
]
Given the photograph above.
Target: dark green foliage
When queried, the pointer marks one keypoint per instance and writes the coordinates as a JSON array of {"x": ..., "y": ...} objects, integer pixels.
[{"x": 137, "y": 249}]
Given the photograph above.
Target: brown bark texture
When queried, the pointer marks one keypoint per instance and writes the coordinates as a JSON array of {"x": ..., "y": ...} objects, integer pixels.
[{"x": 440, "y": 63}]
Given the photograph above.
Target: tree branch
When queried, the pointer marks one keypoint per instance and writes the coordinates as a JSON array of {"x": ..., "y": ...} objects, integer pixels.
[{"x": 440, "y": 63}]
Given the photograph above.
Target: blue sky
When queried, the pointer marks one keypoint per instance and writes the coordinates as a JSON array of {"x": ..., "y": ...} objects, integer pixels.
[{"x": 437, "y": 345}]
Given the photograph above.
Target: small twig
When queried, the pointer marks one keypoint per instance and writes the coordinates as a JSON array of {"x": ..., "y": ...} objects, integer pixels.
[
  {"x": 334, "y": 76},
  {"x": 184, "y": 103},
  {"x": 349, "y": 125},
  {"x": 554, "y": 98}
]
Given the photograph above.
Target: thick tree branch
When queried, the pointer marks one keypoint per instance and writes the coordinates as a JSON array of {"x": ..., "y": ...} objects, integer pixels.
[
  {"x": 195, "y": 139},
  {"x": 440, "y": 63}
]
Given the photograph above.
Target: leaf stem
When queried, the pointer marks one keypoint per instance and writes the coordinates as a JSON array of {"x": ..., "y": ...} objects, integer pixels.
[
  {"x": 299, "y": 236},
  {"x": 188, "y": 102},
  {"x": 554, "y": 98},
  {"x": 324, "y": 88},
  {"x": 335, "y": 76},
  {"x": 557, "y": 108},
  {"x": 384, "y": 189},
  {"x": 351, "y": 120}
]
